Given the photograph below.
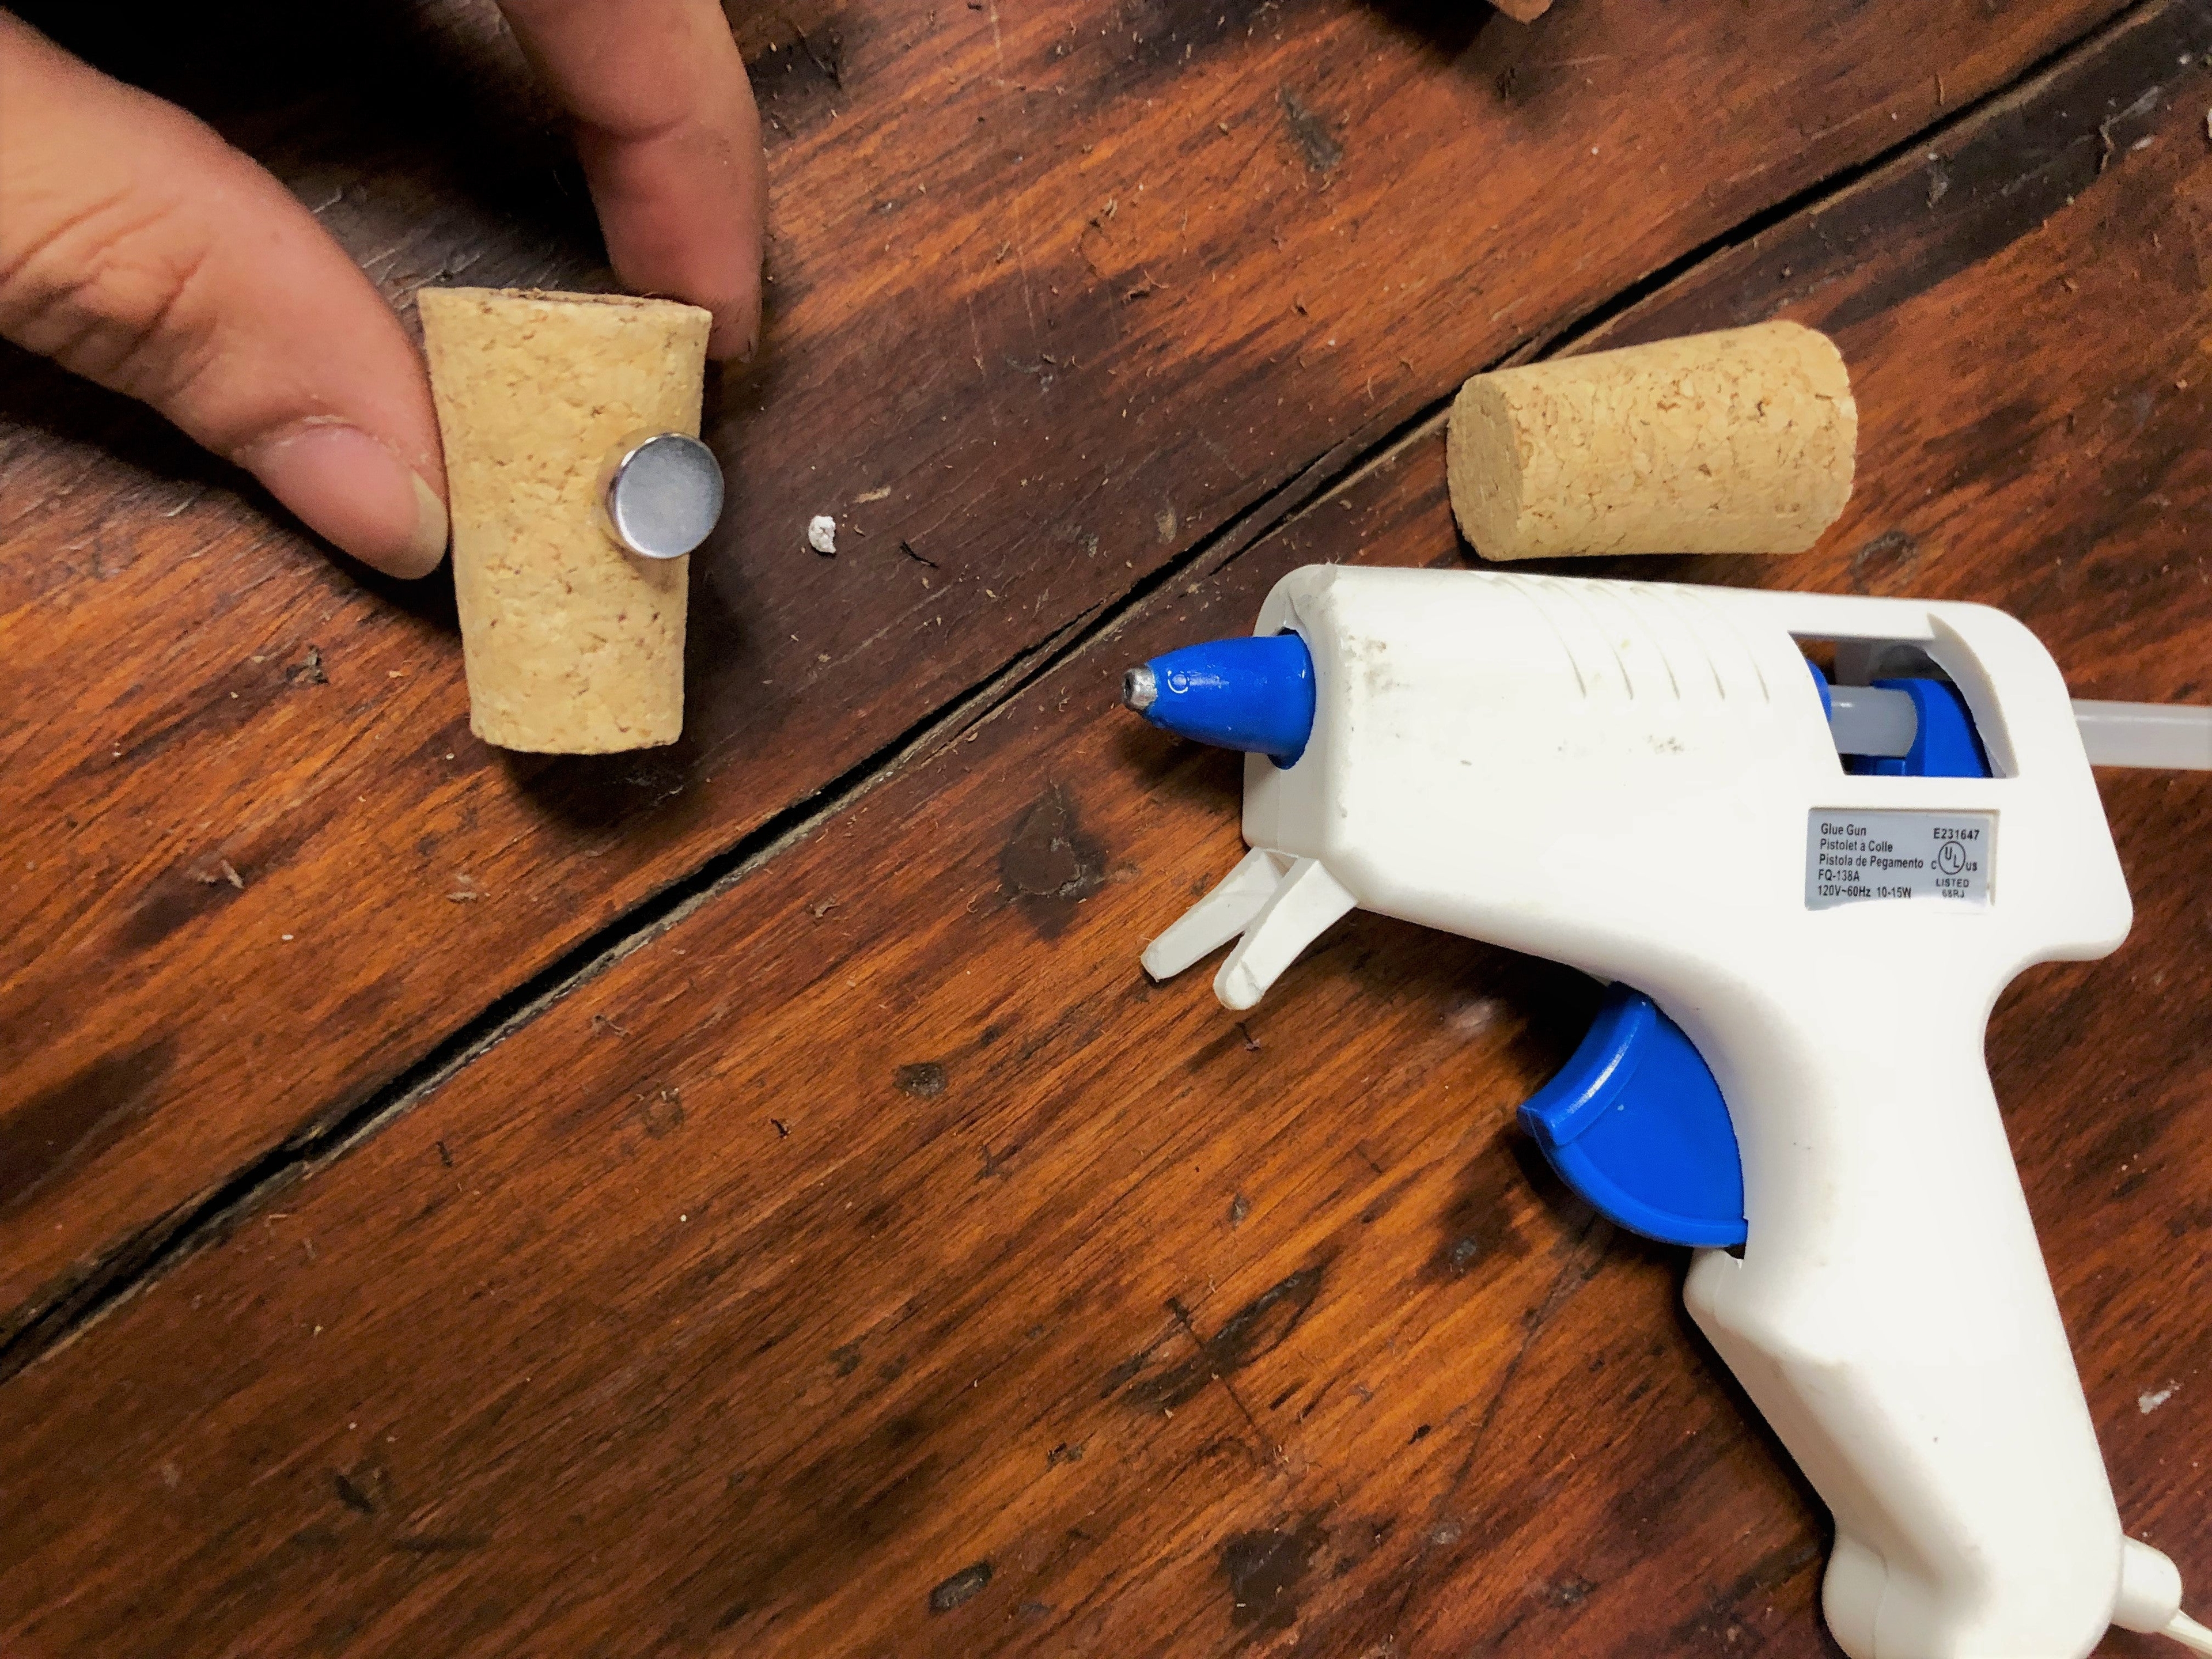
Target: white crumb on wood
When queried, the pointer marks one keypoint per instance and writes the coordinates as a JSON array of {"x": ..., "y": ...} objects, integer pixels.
[
  {"x": 821, "y": 533},
  {"x": 2148, "y": 1403}
]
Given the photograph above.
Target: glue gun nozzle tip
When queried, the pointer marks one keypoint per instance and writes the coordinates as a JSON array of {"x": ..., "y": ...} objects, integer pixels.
[{"x": 1139, "y": 690}]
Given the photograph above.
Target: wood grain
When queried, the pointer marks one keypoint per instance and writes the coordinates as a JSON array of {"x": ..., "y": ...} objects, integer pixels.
[
  {"x": 872, "y": 1262},
  {"x": 1056, "y": 297}
]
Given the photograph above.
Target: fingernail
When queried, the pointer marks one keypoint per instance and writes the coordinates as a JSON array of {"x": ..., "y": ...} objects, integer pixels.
[
  {"x": 735, "y": 337},
  {"x": 353, "y": 492}
]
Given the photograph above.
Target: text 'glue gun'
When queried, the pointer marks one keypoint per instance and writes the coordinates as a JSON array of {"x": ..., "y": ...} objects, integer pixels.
[{"x": 1808, "y": 898}]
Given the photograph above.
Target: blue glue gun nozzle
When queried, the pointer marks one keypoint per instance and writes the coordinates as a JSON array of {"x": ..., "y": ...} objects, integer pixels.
[{"x": 1255, "y": 694}]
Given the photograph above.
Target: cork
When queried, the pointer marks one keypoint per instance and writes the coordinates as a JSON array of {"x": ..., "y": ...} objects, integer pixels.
[
  {"x": 1740, "y": 441},
  {"x": 572, "y": 646}
]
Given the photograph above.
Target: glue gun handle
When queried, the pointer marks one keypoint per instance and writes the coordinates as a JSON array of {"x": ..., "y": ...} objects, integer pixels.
[{"x": 1891, "y": 1315}]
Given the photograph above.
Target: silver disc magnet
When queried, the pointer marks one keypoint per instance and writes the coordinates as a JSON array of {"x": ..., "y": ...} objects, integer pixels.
[{"x": 660, "y": 494}]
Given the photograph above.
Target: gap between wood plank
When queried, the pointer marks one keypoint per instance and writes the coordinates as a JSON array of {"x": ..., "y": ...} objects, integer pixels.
[{"x": 163, "y": 1244}]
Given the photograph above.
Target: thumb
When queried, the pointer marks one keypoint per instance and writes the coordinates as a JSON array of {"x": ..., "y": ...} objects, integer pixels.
[{"x": 139, "y": 250}]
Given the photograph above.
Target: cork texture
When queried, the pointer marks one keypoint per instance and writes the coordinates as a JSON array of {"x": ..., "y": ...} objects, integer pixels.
[
  {"x": 572, "y": 646},
  {"x": 1740, "y": 441}
]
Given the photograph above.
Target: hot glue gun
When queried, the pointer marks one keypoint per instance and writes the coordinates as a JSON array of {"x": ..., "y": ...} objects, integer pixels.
[{"x": 1806, "y": 897}]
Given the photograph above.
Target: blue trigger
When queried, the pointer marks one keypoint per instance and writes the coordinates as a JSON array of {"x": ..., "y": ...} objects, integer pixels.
[{"x": 1635, "y": 1124}]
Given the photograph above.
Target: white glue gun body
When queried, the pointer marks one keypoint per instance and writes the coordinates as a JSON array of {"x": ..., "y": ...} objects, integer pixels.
[{"x": 1641, "y": 780}]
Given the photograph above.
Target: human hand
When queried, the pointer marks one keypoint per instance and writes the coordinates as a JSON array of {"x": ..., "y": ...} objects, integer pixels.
[{"x": 139, "y": 250}]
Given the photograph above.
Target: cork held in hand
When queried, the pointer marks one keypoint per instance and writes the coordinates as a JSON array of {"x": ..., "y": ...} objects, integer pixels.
[
  {"x": 570, "y": 424},
  {"x": 1740, "y": 441}
]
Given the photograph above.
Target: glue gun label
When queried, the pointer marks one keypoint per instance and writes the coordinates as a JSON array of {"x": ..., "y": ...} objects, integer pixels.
[{"x": 1851, "y": 856}]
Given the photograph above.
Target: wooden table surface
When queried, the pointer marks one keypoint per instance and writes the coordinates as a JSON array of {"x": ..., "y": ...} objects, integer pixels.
[{"x": 744, "y": 1197}]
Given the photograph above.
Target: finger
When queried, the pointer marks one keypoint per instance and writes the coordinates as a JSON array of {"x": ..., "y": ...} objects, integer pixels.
[
  {"x": 139, "y": 250},
  {"x": 669, "y": 140}
]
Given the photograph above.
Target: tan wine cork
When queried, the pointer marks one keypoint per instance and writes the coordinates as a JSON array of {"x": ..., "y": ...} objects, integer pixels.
[
  {"x": 1741, "y": 441},
  {"x": 572, "y": 646}
]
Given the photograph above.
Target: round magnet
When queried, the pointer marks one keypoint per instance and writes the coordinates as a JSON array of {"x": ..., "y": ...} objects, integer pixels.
[{"x": 660, "y": 494}]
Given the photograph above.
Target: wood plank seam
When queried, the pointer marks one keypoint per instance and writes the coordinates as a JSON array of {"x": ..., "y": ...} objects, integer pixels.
[
  {"x": 2024, "y": 86},
  {"x": 145, "y": 1257}
]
